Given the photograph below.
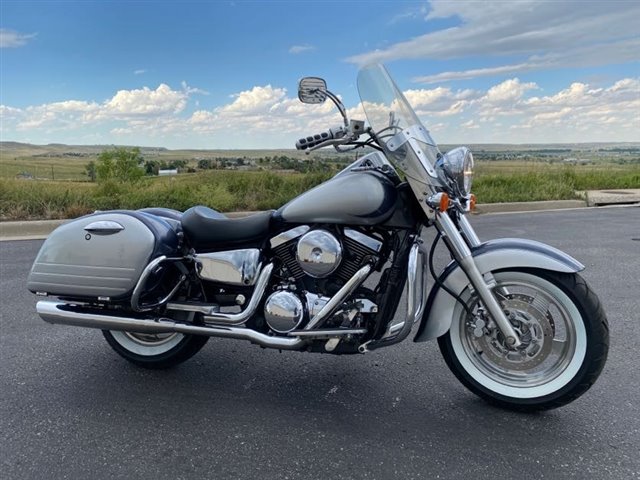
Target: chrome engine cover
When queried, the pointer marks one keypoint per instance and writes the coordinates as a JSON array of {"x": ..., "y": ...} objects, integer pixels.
[
  {"x": 283, "y": 311},
  {"x": 234, "y": 267},
  {"x": 319, "y": 253}
]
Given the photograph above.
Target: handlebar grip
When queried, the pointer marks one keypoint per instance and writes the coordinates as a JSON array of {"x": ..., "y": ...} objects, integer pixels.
[{"x": 313, "y": 140}]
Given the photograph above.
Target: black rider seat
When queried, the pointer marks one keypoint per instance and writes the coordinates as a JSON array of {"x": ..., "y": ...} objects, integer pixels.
[{"x": 207, "y": 229}]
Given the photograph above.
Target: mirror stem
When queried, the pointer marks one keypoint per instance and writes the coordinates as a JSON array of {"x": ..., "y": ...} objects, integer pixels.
[{"x": 340, "y": 106}]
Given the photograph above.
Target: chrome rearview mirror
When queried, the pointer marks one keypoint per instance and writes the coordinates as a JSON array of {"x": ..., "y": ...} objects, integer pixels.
[{"x": 312, "y": 90}]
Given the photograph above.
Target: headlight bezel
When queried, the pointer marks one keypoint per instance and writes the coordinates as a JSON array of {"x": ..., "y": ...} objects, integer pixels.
[{"x": 455, "y": 169}]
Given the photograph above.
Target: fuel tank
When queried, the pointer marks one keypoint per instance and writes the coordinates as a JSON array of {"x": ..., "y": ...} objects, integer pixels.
[{"x": 358, "y": 198}]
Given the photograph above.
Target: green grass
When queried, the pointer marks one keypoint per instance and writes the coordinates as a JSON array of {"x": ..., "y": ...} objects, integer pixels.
[
  {"x": 32, "y": 199},
  {"x": 229, "y": 190},
  {"x": 520, "y": 183},
  {"x": 60, "y": 168},
  {"x": 222, "y": 190}
]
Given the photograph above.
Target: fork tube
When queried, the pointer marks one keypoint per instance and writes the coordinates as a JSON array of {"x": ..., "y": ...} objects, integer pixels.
[
  {"x": 462, "y": 254},
  {"x": 467, "y": 231},
  {"x": 472, "y": 239}
]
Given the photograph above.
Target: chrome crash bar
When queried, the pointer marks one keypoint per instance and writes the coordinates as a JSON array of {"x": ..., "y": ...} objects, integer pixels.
[{"x": 416, "y": 298}]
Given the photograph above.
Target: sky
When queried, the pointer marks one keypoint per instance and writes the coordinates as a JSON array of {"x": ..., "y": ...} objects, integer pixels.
[{"x": 223, "y": 74}]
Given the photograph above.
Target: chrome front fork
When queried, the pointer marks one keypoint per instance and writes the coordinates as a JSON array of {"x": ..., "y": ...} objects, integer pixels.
[
  {"x": 468, "y": 232},
  {"x": 462, "y": 254}
]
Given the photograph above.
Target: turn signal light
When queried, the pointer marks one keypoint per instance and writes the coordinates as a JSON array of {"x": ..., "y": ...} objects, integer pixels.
[
  {"x": 472, "y": 202},
  {"x": 444, "y": 202}
]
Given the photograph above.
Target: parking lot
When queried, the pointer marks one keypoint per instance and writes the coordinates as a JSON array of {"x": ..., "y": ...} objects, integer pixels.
[{"x": 71, "y": 408}]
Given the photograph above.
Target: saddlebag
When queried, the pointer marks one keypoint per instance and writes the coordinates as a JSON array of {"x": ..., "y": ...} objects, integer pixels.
[{"x": 101, "y": 256}]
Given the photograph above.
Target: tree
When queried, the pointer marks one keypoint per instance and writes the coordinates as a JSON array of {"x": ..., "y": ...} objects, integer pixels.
[
  {"x": 151, "y": 167},
  {"x": 120, "y": 164},
  {"x": 206, "y": 164},
  {"x": 90, "y": 168},
  {"x": 178, "y": 164}
]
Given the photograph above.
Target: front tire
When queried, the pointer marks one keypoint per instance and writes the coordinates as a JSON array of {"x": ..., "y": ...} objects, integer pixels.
[{"x": 564, "y": 334}]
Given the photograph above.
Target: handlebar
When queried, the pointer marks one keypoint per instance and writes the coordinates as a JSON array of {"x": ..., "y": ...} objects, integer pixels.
[{"x": 314, "y": 140}]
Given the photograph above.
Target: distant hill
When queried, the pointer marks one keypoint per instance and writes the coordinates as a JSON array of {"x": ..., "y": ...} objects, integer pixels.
[
  {"x": 9, "y": 149},
  {"x": 18, "y": 149},
  {"x": 58, "y": 147}
]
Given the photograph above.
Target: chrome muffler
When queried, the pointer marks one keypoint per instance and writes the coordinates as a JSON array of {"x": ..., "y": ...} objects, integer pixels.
[{"x": 64, "y": 314}]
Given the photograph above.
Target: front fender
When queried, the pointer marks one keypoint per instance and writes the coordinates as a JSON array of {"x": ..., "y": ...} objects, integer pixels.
[{"x": 489, "y": 256}]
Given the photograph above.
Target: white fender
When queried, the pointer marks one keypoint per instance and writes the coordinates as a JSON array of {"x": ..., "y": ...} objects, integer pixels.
[{"x": 490, "y": 256}]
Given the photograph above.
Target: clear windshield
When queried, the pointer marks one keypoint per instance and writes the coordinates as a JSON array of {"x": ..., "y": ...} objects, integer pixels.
[{"x": 406, "y": 141}]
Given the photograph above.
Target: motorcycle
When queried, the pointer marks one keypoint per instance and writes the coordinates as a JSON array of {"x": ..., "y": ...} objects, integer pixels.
[{"x": 325, "y": 273}]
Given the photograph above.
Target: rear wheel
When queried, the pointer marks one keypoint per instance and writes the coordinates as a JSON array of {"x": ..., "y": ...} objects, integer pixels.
[
  {"x": 155, "y": 351},
  {"x": 564, "y": 335}
]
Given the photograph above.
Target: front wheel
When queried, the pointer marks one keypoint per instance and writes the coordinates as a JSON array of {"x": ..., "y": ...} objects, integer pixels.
[{"x": 563, "y": 331}]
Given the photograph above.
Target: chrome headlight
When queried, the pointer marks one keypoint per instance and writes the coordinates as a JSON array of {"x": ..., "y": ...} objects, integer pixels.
[{"x": 455, "y": 168}]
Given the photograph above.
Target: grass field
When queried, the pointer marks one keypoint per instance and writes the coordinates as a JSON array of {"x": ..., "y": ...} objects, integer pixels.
[
  {"x": 222, "y": 190},
  {"x": 65, "y": 162},
  {"x": 520, "y": 181},
  {"x": 68, "y": 194}
]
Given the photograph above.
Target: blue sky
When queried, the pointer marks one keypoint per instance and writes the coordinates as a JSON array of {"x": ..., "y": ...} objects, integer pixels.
[{"x": 224, "y": 74}]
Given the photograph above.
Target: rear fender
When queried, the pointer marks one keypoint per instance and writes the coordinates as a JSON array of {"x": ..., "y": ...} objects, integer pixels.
[{"x": 489, "y": 257}]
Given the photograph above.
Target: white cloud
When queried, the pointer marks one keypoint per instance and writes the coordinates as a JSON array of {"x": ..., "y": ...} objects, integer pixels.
[
  {"x": 140, "y": 71},
  {"x": 71, "y": 106},
  {"x": 57, "y": 115},
  {"x": 542, "y": 34},
  {"x": 472, "y": 73},
  {"x": 296, "y": 49},
  {"x": 507, "y": 91},
  {"x": 264, "y": 110},
  {"x": 470, "y": 124},
  {"x": 125, "y": 105},
  {"x": 622, "y": 51},
  {"x": 578, "y": 113},
  {"x": 581, "y": 105},
  {"x": 7, "y": 112},
  {"x": 266, "y": 116},
  {"x": 191, "y": 90},
  {"x": 412, "y": 13},
  {"x": 439, "y": 101},
  {"x": 145, "y": 101},
  {"x": 13, "y": 39},
  {"x": 256, "y": 100}
]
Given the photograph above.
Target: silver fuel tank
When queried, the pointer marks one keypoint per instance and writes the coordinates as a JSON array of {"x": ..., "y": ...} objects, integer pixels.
[{"x": 358, "y": 198}]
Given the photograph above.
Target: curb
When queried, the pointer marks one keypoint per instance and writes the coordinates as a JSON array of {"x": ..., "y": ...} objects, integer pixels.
[
  {"x": 28, "y": 230},
  {"x": 612, "y": 196},
  {"x": 509, "y": 207}
]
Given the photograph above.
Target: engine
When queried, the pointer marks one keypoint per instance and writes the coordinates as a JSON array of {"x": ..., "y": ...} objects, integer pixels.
[
  {"x": 316, "y": 261},
  {"x": 319, "y": 254}
]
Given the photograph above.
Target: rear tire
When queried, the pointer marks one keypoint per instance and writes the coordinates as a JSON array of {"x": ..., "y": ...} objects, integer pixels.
[
  {"x": 155, "y": 351},
  {"x": 565, "y": 342}
]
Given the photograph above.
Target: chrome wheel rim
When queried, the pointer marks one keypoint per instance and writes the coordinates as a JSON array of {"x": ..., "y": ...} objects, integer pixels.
[
  {"x": 147, "y": 344},
  {"x": 551, "y": 331}
]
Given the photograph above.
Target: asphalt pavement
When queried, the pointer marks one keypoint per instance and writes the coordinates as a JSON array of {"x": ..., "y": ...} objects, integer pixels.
[{"x": 71, "y": 408}]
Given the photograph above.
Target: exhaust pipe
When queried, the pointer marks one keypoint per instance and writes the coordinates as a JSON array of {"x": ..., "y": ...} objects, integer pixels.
[{"x": 64, "y": 314}]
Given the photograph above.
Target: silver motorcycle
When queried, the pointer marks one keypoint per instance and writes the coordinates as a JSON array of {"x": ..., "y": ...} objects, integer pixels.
[{"x": 326, "y": 272}]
